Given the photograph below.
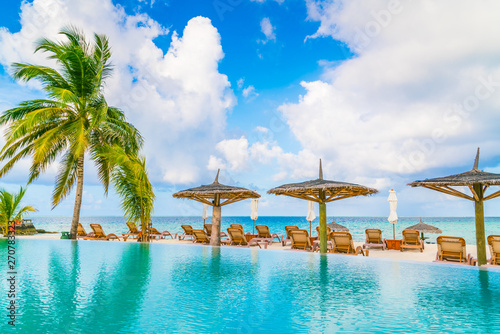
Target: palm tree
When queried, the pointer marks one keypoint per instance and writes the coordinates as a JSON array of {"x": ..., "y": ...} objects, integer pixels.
[
  {"x": 9, "y": 208},
  {"x": 73, "y": 121}
]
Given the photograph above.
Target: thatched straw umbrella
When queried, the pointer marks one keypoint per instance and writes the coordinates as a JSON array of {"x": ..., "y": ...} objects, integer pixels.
[
  {"x": 322, "y": 191},
  {"x": 477, "y": 181},
  {"x": 424, "y": 228},
  {"x": 337, "y": 227},
  {"x": 213, "y": 195}
]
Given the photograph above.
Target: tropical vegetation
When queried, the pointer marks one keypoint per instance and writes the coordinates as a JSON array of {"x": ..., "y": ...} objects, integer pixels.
[
  {"x": 75, "y": 122},
  {"x": 10, "y": 209}
]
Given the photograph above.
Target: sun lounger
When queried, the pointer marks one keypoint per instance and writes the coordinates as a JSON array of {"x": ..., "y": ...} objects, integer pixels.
[
  {"x": 374, "y": 238},
  {"x": 154, "y": 233},
  {"x": 188, "y": 232},
  {"x": 411, "y": 240},
  {"x": 342, "y": 243},
  {"x": 328, "y": 231},
  {"x": 453, "y": 249},
  {"x": 300, "y": 239},
  {"x": 237, "y": 238},
  {"x": 264, "y": 233},
  {"x": 80, "y": 232},
  {"x": 132, "y": 230},
  {"x": 289, "y": 229},
  {"x": 208, "y": 230},
  {"x": 494, "y": 243},
  {"x": 200, "y": 236},
  {"x": 100, "y": 235},
  {"x": 239, "y": 226}
]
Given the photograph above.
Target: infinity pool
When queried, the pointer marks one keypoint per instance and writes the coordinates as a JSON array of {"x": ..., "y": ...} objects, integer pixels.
[{"x": 111, "y": 287}]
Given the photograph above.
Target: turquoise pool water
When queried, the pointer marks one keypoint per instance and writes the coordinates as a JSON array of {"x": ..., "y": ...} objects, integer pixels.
[{"x": 111, "y": 287}]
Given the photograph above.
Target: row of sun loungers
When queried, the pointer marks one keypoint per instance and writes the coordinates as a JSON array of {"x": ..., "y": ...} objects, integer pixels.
[{"x": 450, "y": 249}]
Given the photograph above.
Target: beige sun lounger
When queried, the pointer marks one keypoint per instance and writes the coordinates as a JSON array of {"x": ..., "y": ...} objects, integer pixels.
[
  {"x": 374, "y": 238},
  {"x": 494, "y": 244},
  {"x": 208, "y": 230},
  {"x": 236, "y": 236},
  {"x": 300, "y": 239},
  {"x": 80, "y": 232},
  {"x": 264, "y": 233},
  {"x": 188, "y": 232},
  {"x": 132, "y": 230},
  {"x": 239, "y": 226},
  {"x": 100, "y": 235},
  {"x": 411, "y": 240},
  {"x": 200, "y": 236},
  {"x": 288, "y": 230},
  {"x": 154, "y": 233},
  {"x": 328, "y": 231},
  {"x": 342, "y": 243},
  {"x": 453, "y": 249}
]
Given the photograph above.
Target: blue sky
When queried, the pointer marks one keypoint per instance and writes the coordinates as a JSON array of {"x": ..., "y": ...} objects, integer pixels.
[{"x": 264, "y": 89}]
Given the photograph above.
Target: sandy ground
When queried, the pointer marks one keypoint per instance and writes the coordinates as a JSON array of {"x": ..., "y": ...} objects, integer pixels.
[{"x": 428, "y": 255}]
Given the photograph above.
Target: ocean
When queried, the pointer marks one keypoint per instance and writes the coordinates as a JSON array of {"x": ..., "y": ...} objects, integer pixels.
[{"x": 451, "y": 226}]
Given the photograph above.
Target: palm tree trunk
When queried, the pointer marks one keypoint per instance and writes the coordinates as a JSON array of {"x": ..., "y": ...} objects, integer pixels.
[{"x": 78, "y": 198}]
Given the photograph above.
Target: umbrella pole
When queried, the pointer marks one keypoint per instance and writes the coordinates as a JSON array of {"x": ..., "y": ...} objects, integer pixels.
[
  {"x": 393, "y": 231},
  {"x": 310, "y": 228},
  {"x": 480, "y": 235},
  {"x": 322, "y": 228},
  {"x": 253, "y": 228}
]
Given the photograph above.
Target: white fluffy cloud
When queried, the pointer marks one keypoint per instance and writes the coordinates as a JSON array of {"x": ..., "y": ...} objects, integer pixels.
[
  {"x": 267, "y": 29},
  {"x": 422, "y": 90},
  {"x": 178, "y": 99}
]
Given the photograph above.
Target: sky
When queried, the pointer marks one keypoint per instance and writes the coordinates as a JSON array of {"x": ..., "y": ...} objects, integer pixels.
[{"x": 384, "y": 92}]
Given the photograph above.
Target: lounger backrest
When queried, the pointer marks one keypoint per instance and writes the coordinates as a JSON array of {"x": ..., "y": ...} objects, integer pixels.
[
  {"x": 494, "y": 242},
  {"x": 98, "y": 231},
  {"x": 290, "y": 228},
  {"x": 411, "y": 237},
  {"x": 263, "y": 231},
  {"x": 341, "y": 238},
  {"x": 300, "y": 239},
  {"x": 238, "y": 226},
  {"x": 200, "y": 235},
  {"x": 373, "y": 236},
  {"x": 328, "y": 230},
  {"x": 132, "y": 227},
  {"x": 451, "y": 245},
  {"x": 342, "y": 241},
  {"x": 80, "y": 230},
  {"x": 208, "y": 228},
  {"x": 188, "y": 230},
  {"x": 237, "y": 236}
]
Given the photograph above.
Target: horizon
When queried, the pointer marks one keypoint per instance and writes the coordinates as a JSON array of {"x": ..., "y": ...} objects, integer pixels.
[{"x": 266, "y": 88}]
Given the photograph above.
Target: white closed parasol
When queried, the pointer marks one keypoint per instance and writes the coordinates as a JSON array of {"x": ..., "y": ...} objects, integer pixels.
[
  {"x": 254, "y": 205},
  {"x": 204, "y": 216},
  {"x": 310, "y": 214},
  {"x": 393, "y": 216}
]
